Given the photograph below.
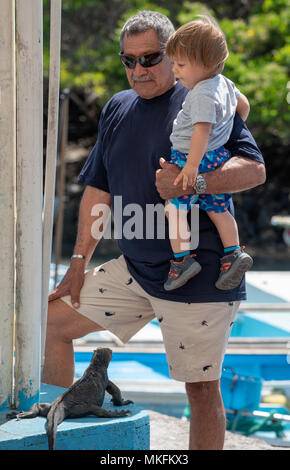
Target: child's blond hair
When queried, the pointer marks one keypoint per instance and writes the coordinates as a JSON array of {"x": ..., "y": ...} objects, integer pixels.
[{"x": 201, "y": 41}]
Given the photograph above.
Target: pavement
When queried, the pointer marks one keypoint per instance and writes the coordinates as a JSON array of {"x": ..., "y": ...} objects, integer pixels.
[{"x": 170, "y": 433}]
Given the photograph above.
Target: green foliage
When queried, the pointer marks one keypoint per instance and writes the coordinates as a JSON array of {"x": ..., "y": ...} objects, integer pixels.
[
  {"x": 259, "y": 65},
  {"x": 258, "y": 41},
  {"x": 190, "y": 10}
]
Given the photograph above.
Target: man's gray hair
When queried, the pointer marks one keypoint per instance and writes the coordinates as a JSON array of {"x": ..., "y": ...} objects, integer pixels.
[{"x": 145, "y": 20}]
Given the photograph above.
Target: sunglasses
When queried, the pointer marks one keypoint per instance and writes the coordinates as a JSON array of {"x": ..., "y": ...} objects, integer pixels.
[{"x": 148, "y": 60}]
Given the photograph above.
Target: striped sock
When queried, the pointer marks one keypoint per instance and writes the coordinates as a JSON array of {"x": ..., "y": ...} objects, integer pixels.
[
  {"x": 230, "y": 249},
  {"x": 181, "y": 254}
]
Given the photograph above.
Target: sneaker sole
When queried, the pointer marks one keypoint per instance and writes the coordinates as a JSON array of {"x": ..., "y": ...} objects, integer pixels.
[
  {"x": 190, "y": 273},
  {"x": 235, "y": 277}
]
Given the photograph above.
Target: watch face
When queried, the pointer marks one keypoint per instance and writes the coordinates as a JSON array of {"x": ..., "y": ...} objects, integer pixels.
[{"x": 200, "y": 185}]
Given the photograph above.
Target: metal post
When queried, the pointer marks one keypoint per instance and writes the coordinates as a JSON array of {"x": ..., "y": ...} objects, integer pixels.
[
  {"x": 51, "y": 157},
  {"x": 29, "y": 201},
  {"x": 7, "y": 191}
]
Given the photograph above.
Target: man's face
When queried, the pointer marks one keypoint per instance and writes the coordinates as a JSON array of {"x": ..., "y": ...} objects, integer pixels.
[{"x": 152, "y": 81}]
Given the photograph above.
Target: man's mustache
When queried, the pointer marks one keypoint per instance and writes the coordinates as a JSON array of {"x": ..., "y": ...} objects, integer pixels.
[{"x": 143, "y": 78}]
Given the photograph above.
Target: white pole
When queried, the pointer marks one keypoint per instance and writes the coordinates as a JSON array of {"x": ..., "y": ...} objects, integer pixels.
[
  {"x": 29, "y": 201},
  {"x": 61, "y": 183},
  {"x": 7, "y": 196},
  {"x": 51, "y": 157}
]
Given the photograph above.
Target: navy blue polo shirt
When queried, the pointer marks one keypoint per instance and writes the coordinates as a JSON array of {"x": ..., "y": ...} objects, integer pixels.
[{"x": 133, "y": 135}]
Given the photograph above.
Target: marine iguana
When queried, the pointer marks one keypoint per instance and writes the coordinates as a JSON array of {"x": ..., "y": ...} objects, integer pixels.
[{"x": 83, "y": 397}]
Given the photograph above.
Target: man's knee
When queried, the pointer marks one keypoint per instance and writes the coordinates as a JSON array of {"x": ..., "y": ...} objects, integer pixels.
[
  {"x": 66, "y": 324},
  {"x": 203, "y": 392},
  {"x": 57, "y": 319}
]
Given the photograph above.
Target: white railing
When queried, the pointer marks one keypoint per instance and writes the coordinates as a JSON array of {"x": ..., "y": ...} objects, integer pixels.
[{"x": 264, "y": 307}]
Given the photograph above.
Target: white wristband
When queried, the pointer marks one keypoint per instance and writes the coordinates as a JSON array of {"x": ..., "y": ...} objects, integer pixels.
[{"x": 78, "y": 256}]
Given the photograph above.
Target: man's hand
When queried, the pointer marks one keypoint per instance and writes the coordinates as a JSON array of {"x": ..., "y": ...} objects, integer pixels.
[
  {"x": 165, "y": 178},
  {"x": 71, "y": 283}
]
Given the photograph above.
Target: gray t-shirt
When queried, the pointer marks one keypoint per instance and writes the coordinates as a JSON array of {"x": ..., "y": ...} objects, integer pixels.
[{"x": 213, "y": 100}]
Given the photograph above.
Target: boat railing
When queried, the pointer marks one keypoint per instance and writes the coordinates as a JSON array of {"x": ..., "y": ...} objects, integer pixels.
[
  {"x": 262, "y": 414},
  {"x": 264, "y": 307}
]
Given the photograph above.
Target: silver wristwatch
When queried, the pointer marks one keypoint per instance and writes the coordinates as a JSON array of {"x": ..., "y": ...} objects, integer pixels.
[{"x": 200, "y": 185}]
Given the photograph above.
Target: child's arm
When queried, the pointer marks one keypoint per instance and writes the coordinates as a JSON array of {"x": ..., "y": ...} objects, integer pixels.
[
  {"x": 198, "y": 146},
  {"x": 243, "y": 107}
]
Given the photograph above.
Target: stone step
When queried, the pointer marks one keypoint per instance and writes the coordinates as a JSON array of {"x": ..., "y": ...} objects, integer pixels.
[{"x": 87, "y": 433}]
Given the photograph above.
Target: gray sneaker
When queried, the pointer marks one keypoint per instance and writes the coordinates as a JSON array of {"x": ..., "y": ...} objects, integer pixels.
[
  {"x": 233, "y": 267},
  {"x": 181, "y": 271}
]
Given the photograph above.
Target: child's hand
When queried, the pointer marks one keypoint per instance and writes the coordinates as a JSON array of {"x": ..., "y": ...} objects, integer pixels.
[{"x": 188, "y": 174}]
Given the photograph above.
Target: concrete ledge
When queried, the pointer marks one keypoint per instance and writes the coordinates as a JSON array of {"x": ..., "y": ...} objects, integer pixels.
[{"x": 88, "y": 433}]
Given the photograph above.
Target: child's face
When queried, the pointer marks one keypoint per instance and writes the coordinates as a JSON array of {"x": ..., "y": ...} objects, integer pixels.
[{"x": 189, "y": 72}]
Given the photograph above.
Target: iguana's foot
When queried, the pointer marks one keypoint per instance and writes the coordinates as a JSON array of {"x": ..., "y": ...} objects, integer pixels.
[
  {"x": 13, "y": 414},
  {"x": 124, "y": 413},
  {"x": 121, "y": 402},
  {"x": 103, "y": 413}
]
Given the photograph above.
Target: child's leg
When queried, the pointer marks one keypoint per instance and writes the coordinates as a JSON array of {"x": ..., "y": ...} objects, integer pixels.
[
  {"x": 226, "y": 227},
  {"x": 184, "y": 266},
  {"x": 179, "y": 233},
  {"x": 235, "y": 262}
]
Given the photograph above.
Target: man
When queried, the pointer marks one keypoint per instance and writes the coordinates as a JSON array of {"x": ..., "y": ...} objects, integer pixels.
[{"x": 128, "y": 292}]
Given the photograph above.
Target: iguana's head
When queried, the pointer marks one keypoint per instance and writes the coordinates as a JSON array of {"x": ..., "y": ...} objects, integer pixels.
[{"x": 102, "y": 356}]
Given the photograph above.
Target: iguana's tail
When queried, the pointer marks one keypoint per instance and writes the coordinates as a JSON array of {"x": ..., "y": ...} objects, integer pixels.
[{"x": 55, "y": 416}]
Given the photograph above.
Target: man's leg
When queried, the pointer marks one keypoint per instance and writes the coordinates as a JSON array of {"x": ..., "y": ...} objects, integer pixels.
[
  {"x": 63, "y": 325},
  {"x": 109, "y": 297},
  {"x": 195, "y": 338},
  {"x": 207, "y": 416}
]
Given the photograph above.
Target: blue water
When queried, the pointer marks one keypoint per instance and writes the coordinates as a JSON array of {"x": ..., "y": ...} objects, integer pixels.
[
  {"x": 153, "y": 366},
  {"x": 248, "y": 327},
  {"x": 129, "y": 366}
]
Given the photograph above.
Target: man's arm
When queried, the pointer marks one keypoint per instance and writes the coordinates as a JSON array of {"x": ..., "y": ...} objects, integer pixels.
[
  {"x": 85, "y": 245},
  {"x": 243, "y": 171},
  {"x": 236, "y": 175},
  {"x": 87, "y": 240}
]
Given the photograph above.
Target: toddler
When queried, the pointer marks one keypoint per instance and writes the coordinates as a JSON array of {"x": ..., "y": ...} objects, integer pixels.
[{"x": 198, "y": 51}]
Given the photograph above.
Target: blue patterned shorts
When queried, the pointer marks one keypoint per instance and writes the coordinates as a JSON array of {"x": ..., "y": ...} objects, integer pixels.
[{"x": 207, "y": 202}]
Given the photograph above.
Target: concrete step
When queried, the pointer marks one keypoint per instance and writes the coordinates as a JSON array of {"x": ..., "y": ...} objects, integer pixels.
[{"x": 88, "y": 433}]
